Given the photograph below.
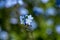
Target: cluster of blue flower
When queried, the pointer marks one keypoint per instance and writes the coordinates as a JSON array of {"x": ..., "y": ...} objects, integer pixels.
[
  {"x": 10, "y": 3},
  {"x": 27, "y": 19},
  {"x": 58, "y": 3},
  {"x": 51, "y": 11},
  {"x": 3, "y": 35},
  {"x": 37, "y": 10},
  {"x": 24, "y": 17}
]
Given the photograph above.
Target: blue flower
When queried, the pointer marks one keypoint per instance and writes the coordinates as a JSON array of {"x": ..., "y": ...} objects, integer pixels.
[
  {"x": 33, "y": 25},
  {"x": 51, "y": 11},
  {"x": 30, "y": 17},
  {"x": 10, "y": 3},
  {"x": 13, "y": 21},
  {"x": 25, "y": 20},
  {"x": 50, "y": 22},
  {"x": 44, "y": 1},
  {"x": 58, "y": 3},
  {"x": 23, "y": 11},
  {"x": 29, "y": 20},
  {"x": 22, "y": 19},
  {"x": 38, "y": 10},
  {"x": 3, "y": 35},
  {"x": 20, "y": 2},
  {"x": 58, "y": 29},
  {"x": 49, "y": 31},
  {"x": 2, "y": 3}
]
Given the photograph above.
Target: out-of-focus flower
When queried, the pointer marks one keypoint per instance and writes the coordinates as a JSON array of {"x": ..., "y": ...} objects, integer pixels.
[
  {"x": 13, "y": 21},
  {"x": 14, "y": 2},
  {"x": 3, "y": 35},
  {"x": 51, "y": 11},
  {"x": 50, "y": 22},
  {"x": 10, "y": 3},
  {"x": 33, "y": 25},
  {"x": 21, "y": 2},
  {"x": 23, "y": 11},
  {"x": 2, "y": 4},
  {"x": 58, "y": 3},
  {"x": 44, "y": 1},
  {"x": 58, "y": 29},
  {"x": 22, "y": 19},
  {"x": 49, "y": 31},
  {"x": 38, "y": 10}
]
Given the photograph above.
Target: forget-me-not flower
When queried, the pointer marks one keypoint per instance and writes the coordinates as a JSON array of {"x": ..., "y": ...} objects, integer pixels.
[
  {"x": 23, "y": 11},
  {"x": 21, "y": 2},
  {"x": 29, "y": 19},
  {"x": 13, "y": 21},
  {"x": 38, "y": 10},
  {"x": 10, "y": 3},
  {"x": 51, "y": 11},
  {"x": 2, "y": 4},
  {"x": 58, "y": 29},
  {"x": 3, "y": 35},
  {"x": 50, "y": 22}
]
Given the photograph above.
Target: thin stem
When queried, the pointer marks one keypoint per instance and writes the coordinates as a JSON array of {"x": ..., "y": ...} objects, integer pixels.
[{"x": 29, "y": 33}]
